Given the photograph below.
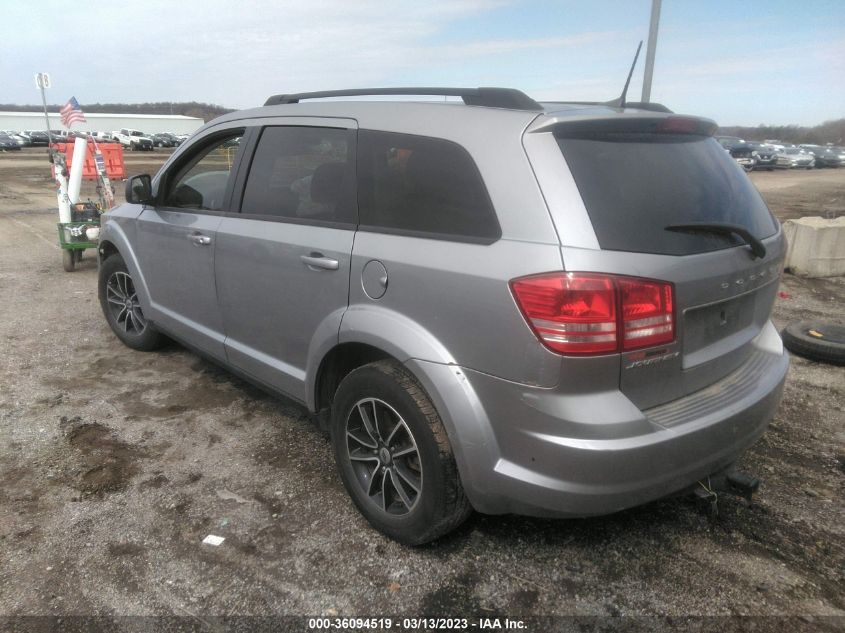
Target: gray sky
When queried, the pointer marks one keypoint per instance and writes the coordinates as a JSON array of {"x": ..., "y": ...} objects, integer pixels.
[{"x": 750, "y": 62}]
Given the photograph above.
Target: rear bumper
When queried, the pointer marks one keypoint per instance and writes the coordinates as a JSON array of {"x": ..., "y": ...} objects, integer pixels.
[{"x": 526, "y": 451}]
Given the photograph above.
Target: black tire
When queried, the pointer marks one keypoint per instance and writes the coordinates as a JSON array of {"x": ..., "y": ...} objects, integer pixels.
[
  {"x": 68, "y": 260},
  {"x": 117, "y": 293},
  {"x": 439, "y": 505},
  {"x": 823, "y": 342}
]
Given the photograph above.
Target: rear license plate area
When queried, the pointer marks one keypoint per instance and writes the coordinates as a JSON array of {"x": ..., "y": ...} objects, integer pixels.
[{"x": 707, "y": 325}]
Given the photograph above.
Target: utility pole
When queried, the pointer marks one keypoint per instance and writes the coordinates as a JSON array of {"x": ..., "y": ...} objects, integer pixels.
[{"x": 652, "y": 45}]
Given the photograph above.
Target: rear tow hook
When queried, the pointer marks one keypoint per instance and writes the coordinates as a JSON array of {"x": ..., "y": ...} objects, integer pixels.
[{"x": 732, "y": 482}]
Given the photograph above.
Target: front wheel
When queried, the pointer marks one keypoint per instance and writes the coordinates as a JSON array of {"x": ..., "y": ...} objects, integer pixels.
[
  {"x": 120, "y": 305},
  {"x": 394, "y": 456}
]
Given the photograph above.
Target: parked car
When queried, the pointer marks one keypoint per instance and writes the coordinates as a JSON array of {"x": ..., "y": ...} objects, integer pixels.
[
  {"x": 454, "y": 293},
  {"x": 104, "y": 137},
  {"x": 828, "y": 156},
  {"x": 825, "y": 155},
  {"x": 61, "y": 136},
  {"x": 163, "y": 140},
  {"x": 37, "y": 137},
  {"x": 740, "y": 151},
  {"x": 7, "y": 143},
  {"x": 134, "y": 139},
  {"x": 22, "y": 141},
  {"x": 766, "y": 156},
  {"x": 795, "y": 158}
]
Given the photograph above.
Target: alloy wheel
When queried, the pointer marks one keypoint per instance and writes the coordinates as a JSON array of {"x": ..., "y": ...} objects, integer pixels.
[
  {"x": 123, "y": 303},
  {"x": 384, "y": 456}
]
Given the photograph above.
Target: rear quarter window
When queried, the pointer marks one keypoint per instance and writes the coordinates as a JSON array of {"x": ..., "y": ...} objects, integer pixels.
[
  {"x": 421, "y": 185},
  {"x": 636, "y": 184}
]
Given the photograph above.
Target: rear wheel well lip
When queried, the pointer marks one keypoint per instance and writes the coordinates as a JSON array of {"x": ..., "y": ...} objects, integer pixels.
[{"x": 323, "y": 392}]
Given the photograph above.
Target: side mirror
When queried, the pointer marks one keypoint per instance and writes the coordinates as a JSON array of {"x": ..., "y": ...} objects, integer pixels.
[{"x": 139, "y": 189}]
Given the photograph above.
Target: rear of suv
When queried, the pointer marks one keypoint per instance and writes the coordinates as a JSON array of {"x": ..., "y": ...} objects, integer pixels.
[{"x": 547, "y": 309}]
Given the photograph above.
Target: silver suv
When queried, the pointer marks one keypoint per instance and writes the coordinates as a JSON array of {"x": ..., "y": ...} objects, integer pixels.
[{"x": 547, "y": 309}]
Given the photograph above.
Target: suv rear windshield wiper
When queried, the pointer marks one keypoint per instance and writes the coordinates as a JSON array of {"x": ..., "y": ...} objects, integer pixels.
[{"x": 722, "y": 228}]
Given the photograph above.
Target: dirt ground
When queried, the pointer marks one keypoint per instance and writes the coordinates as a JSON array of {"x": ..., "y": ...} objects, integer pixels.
[{"x": 115, "y": 464}]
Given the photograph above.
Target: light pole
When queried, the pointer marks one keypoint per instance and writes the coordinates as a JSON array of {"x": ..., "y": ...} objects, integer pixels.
[{"x": 652, "y": 45}]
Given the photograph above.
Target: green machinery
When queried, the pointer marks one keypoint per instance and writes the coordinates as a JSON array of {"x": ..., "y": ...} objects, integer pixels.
[
  {"x": 81, "y": 233},
  {"x": 83, "y": 230}
]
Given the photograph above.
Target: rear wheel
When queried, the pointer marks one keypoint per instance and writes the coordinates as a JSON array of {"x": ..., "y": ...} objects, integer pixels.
[
  {"x": 393, "y": 455},
  {"x": 68, "y": 260},
  {"x": 119, "y": 301}
]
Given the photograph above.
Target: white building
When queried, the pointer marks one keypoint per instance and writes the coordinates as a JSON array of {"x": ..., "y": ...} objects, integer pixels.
[{"x": 97, "y": 122}]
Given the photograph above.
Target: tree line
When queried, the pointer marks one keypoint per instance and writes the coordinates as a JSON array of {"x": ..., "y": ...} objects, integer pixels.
[
  {"x": 204, "y": 111},
  {"x": 827, "y": 132}
]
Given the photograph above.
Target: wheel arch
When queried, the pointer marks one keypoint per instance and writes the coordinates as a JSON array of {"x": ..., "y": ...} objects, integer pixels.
[
  {"x": 364, "y": 334},
  {"x": 339, "y": 362},
  {"x": 106, "y": 249},
  {"x": 113, "y": 241}
]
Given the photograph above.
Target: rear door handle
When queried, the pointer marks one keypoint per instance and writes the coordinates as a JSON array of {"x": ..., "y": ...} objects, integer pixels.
[
  {"x": 318, "y": 260},
  {"x": 199, "y": 239}
]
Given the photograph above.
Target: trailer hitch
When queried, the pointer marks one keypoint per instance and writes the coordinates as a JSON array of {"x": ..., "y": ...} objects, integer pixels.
[{"x": 730, "y": 481}]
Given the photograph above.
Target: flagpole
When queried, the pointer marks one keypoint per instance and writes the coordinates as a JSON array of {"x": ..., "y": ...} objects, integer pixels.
[
  {"x": 56, "y": 159},
  {"x": 46, "y": 116}
]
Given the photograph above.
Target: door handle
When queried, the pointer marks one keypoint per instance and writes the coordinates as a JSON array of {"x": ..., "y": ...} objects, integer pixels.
[
  {"x": 318, "y": 260},
  {"x": 199, "y": 239}
]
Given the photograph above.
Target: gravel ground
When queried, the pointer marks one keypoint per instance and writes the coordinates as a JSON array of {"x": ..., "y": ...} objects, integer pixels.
[{"x": 115, "y": 464}]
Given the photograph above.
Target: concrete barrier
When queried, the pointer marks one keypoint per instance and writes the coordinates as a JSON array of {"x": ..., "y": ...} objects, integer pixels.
[{"x": 816, "y": 246}]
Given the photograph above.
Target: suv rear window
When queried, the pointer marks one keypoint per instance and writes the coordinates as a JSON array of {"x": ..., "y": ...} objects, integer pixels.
[
  {"x": 416, "y": 184},
  {"x": 636, "y": 184}
]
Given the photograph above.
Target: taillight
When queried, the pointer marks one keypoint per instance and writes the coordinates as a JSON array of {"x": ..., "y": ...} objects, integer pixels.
[
  {"x": 589, "y": 313},
  {"x": 647, "y": 317}
]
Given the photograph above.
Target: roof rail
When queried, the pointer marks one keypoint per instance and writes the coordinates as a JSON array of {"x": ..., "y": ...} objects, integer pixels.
[{"x": 489, "y": 97}]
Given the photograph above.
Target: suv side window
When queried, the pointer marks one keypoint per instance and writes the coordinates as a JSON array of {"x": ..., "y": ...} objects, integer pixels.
[
  {"x": 301, "y": 174},
  {"x": 200, "y": 183},
  {"x": 417, "y": 184}
]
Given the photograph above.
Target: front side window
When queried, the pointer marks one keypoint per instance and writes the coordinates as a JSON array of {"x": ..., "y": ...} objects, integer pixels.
[
  {"x": 423, "y": 185},
  {"x": 200, "y": 183},
  {"x": 301, "y": 174}
]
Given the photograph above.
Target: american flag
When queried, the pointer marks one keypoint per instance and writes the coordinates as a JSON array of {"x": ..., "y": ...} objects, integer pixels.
[{"x": 72, "y": 113}]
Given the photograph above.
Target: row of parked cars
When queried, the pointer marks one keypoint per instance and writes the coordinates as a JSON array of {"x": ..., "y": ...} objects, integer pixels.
[
  {"x": 137, "y": 140},
  {"x": 771, "y": 155},
  {"x": 130, "y": 139}
]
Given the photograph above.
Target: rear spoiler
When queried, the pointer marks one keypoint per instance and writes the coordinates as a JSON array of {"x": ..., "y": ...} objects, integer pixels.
[{"x": 622, "y": 125}]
